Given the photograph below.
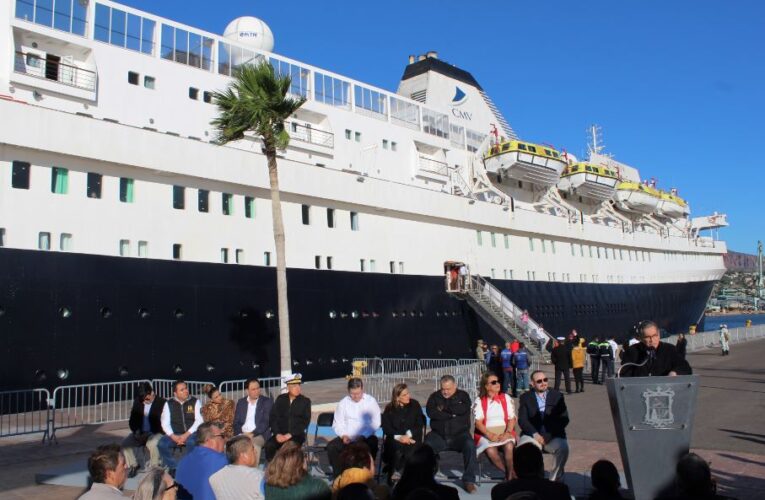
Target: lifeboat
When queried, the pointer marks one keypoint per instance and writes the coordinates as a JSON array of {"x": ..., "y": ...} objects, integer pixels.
[
  {"x": 523, "y": 161},
  {"x": 672, "y": 206},
  {"x": 636, "y": 197},
  {"x": 589, "y": 181}
]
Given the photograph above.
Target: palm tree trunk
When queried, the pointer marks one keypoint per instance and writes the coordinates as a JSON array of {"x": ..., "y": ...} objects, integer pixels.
[{"x": 285, "y": 355}]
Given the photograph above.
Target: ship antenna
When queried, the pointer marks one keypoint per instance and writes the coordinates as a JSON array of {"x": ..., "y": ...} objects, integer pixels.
[{"x": 595, "y": 140}]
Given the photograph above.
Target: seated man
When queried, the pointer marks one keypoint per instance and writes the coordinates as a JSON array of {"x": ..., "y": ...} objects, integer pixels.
[
  {"x": 449, "y": 411},
  {"x": 543, "y": 417},
  {"x": 240, "y": 478},
  {"x": 108, "y": 471},
  {"x": 181, "y": 417},
  {"x": 651, "y": 357},
  {"x": 196, "y": 468},
  {"x": 529, "y": 471},
  {"x": 146, "y": 428},
  {"x": 289, "y": 417},
  {"x": 357, "y": 418},
  {"x": 252, "y": 414}
]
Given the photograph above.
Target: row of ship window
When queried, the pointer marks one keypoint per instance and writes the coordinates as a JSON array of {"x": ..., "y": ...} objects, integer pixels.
[
  {"x": 356, "y": 136},
  {"x": 150, "y": 82},
  {"x": 307, "y": 219},
  {"x": 365, "y": 265}
]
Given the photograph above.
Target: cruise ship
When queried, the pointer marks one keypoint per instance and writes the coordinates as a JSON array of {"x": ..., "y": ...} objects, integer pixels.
[{"x": 134, "y": 246}]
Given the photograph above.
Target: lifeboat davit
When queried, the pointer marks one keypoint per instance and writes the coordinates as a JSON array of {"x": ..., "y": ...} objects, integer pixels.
[
  {"x": 636, "y": 197},
  {"x": 590, "y": 181},
  {"x": 524, "y": 161}
]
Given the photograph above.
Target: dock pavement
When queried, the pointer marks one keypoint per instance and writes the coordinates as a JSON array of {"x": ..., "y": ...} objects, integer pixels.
[{"x": 729, "y": 432}]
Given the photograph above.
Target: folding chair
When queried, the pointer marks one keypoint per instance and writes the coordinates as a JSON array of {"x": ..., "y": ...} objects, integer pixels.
[{"x": 325, "y": 420}]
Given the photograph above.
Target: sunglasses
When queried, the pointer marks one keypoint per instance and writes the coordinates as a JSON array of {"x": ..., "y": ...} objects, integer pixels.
[
  {"x": 494, "y": 382},
  {"x": 539, "y": 381}
]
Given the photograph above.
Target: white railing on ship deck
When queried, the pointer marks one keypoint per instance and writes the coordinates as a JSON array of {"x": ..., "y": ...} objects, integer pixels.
[{"x": 67, "y": 74}]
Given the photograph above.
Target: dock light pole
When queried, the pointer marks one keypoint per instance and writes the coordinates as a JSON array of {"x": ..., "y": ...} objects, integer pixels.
[{"x": 759, "y": 293}]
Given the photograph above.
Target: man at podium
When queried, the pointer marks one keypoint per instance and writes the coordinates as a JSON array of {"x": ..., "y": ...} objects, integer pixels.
[{"x": 651, "y": 357}]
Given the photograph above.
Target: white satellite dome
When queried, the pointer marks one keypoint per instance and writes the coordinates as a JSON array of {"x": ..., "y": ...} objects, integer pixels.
[{"x": 250, "y": 31}]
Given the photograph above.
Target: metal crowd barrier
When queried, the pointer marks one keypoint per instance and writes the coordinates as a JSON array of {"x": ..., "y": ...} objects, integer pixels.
[
  {"x": 86, "y": 404},
  {"x": 25, "y": 412}
]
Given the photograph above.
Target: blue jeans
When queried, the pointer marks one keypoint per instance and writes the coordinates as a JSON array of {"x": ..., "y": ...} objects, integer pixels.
[
  {"x": 523, "y": 380},
  {"x": 167, "y": 445}
]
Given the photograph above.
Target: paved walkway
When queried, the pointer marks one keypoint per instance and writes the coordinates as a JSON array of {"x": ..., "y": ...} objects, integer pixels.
[{"x": 728, "y": 432}]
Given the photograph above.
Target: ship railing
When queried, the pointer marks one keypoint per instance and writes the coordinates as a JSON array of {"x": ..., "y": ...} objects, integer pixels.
[
  {"x": 25, "y": 412},
  {"x": 434, "y": 166},
  {"x": 87, "y": 404},
  {"x": 310, "y": 135},
  {"x": 163, "y": 387},
  {"x": 34, "y": 65},
  {"x": 236, "y": 389}
]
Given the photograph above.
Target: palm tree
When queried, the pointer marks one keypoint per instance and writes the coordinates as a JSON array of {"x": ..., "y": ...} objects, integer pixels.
[{"x": 256, "y": 101}]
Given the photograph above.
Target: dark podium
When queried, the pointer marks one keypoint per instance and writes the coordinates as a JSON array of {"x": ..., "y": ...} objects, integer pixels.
[{"x": 653, "y": 417}]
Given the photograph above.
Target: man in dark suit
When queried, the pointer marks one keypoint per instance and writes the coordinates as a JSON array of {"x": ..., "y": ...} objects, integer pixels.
[
  {"x": 529, "y": 477},
  {"x": 543, "y": 417},
  {"x": 252, "y": 415},
  {"x": 651, "y": 357},
  {"x": 145, "y": 428},
  {"x": 561, "y": 359},
  {"x": 289, "y": 417}
]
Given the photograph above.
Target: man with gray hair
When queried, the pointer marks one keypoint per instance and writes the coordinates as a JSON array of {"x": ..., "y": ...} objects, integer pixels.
[
  {"x": 449, "y": 410},
  {"x": 240, "y": 479},
  {"x": 207, "y": 458}
]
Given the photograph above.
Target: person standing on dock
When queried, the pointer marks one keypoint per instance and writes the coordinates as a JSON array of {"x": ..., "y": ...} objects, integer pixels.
[
  {"x": 724, "y": 339},
  {"x": 593, "y": 349},
  {"x": 681, "y": 345},
  {"x": 561, "y": 359}
]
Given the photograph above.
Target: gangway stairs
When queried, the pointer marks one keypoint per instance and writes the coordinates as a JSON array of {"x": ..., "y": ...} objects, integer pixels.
[{"x": 503, "y": 316}]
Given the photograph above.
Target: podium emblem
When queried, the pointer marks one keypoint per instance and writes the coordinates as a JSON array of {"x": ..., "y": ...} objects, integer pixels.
[{"x": 658, "y": 407}]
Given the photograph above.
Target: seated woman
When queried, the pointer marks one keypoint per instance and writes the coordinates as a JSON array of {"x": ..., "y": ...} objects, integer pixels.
[
  {"x": 495, "y": 420},
  {"x": 287, "y": 477},
  {"x": 218, "y": 409},
  {"x": 418, "y": 479},
  {"x": 403, "y": 424}
]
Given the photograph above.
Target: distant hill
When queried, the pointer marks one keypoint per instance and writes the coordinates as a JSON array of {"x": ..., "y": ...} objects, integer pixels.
[{"x": 742, "y": 262}]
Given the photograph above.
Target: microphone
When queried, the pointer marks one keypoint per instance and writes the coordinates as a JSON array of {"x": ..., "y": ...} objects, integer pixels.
[{"x": 650, "y": 357}]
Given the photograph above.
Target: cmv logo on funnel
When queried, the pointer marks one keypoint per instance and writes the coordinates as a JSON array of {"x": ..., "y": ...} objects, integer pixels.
[{"x": 460, "y": 97}]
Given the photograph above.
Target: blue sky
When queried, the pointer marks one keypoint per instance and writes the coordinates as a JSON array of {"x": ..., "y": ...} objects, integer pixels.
[{"x": 678, "y": 86}]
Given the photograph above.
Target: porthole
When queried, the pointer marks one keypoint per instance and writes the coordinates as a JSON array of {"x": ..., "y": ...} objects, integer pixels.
[
  {"x": 438, "y": 314},
  {"x": 41, "y": 376},
  {"x": 332, "y": 314},
  {"x": 65, "y": 312},
  {"x": 269, "y": 314},
  {"x": 394, "y": 314},
  {"x": 209, "y": 367},
  {"x": 2, "y": 311},
  {"x": 143, "y": 313},
  {"x": 122, "y": 371},
  {"x": 62, "y": 373},
  {"x": 244, "y": 314},
  {"x": 343, "y": 314},
  {"x": 178, "y": 313},
  {"x": 106, "y": 313},
  {"x": 177, "y": 368},
  {"x": 354, "y": 314}
]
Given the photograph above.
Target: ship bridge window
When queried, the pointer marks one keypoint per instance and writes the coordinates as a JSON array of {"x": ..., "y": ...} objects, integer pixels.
[
  {"x": 435, "y": 123},
  {"x": 231, "y": 57},
  {"x": 404, "y": 113},
  {"x": 59, "y": 180},
  {"x": 187, "y": 47},
  {"x": 298, "y": 75},
  {"x": 179, "y": 197},
  {"x": 203, "y": 200},
  {"x": 20, "y": 175},
  {"x": 227, "y": 201},
  {"x": 370, "y": 102},
  {"x": 63, "y": 15},
  {"x": 332, "y": 91},
  {"x": 122, "y": 29}
]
